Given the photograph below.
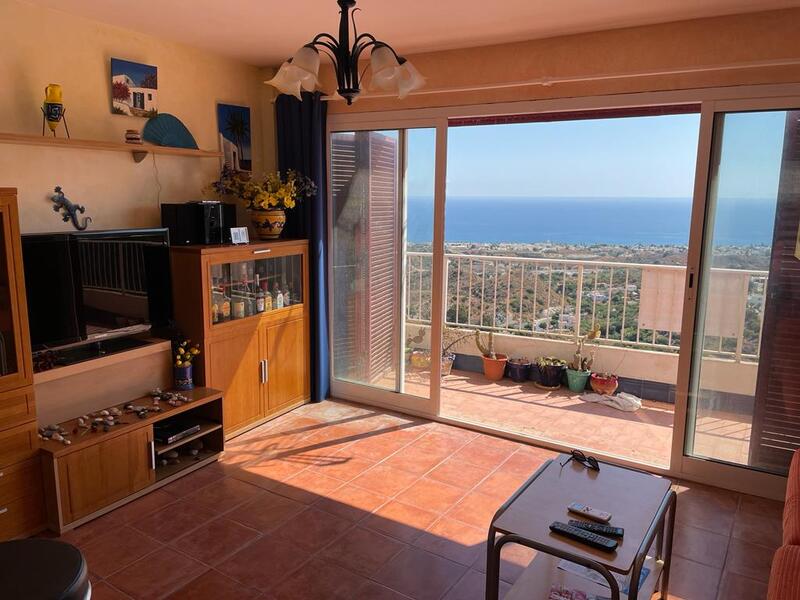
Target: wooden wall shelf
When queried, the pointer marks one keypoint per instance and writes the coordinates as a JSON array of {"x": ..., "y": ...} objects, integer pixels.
[{"x": 138, "y": 151}]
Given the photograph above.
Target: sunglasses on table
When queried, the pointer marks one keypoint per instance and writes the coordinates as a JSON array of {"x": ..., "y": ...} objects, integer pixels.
[{"x": 590, "y": 462}]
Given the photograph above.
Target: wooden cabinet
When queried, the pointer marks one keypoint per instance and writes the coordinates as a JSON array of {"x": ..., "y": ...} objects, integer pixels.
[
  {"x": 21, "y": 496},
  {"x": 105, "y": 472},
  {"x": 101, "y": 470},
  {"x": 247, "y": 307}
]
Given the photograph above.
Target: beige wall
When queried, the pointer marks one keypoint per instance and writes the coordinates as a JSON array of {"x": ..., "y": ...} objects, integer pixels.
[
  {"x": 702, "y": 42},
  {"x": 41, "y": 46}
]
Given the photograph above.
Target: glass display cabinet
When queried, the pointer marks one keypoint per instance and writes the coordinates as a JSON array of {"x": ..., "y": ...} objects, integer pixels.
[{"x": 246, "y": 306}]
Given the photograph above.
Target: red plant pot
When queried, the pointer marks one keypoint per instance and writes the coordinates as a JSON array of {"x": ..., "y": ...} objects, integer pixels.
[
  {"x": 494, "y": 368},
  {"x": 605, "y": 385}
]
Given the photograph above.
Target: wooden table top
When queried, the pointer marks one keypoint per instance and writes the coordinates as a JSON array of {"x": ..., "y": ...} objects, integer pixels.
[
  {"x": 129, "y": 422},
  {"x": 632, "y": 498}
]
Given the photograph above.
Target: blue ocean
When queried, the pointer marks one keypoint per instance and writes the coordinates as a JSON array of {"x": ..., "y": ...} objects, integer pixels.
[{"x": 621, "y": 221}]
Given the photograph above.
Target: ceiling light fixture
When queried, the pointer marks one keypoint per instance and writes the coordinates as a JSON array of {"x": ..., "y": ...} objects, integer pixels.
[{"x": 390, "y": 71}]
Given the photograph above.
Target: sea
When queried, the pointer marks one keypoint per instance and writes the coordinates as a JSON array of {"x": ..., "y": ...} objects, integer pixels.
[{"x": 587, "y": 221}]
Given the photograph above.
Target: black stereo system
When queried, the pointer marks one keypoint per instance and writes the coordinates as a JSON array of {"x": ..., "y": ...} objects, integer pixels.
[{"x": 199, "y": 222}]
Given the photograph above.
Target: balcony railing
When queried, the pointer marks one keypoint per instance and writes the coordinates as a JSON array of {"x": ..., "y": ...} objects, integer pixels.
[{"x": 565, "y": 298}]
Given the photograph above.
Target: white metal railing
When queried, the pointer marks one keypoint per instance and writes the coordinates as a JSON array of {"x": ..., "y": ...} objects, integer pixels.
[{"x": 545, "y": 297}]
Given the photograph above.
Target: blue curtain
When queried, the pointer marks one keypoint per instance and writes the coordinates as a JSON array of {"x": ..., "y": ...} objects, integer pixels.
[{"x": 301, "y": 146}]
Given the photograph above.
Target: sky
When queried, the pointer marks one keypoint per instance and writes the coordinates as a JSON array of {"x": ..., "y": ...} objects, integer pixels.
[{"x": 623, "y": 157}]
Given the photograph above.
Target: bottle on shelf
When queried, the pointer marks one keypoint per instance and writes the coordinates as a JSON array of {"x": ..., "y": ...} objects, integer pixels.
[
  {"x": 276, "y": 291},
  {"x": 287, "y": 295},
  {"x": 216, "y": 299},
  {"x": 260, "y": 296},
  {"x": 225, "y": 307},
  {"x": 238, "y": 292},
  {"x": 267, "y": 296}
]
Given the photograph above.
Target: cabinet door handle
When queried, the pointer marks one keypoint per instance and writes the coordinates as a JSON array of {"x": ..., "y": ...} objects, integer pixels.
[
  {"x": 261, "y": 371},
  {"x": 152, "y": 446},
  {"x": 263, "y": 251},
  {"x": 3, "y": 510},
  {"x": 266, "y": 370}
]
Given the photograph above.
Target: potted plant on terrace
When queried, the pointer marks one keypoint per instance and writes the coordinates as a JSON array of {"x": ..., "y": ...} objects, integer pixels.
[
  {"x": 518, "y": 369},
  {"x": 421, "y": 357},
  {"x": 579, "y": 368},
  {"x": 551, "y": 370},
  {"x": 494, "y": 364},
  {"x": 604, "y": 383}
]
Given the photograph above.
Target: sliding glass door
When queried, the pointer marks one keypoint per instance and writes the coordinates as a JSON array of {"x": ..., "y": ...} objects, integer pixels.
[
  {"x": 744, "y": 400},
  {"x": 381, "y": 200}
]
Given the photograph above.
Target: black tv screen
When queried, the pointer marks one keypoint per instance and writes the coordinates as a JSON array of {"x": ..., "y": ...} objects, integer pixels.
[{"x": 94, "y": 285}]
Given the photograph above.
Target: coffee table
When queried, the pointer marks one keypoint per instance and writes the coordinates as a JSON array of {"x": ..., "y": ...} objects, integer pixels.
[{"x": 642, "y": 503}]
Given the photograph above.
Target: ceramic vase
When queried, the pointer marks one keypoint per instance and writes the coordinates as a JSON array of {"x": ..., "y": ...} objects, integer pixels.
[{"x": 268, "y": 224}]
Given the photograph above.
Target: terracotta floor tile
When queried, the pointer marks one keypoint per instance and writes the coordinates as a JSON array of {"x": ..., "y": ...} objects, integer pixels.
[
  {"x": 266, "y": 512},
  {"x": 764, "y": 530},
  {"x": 361, "y": 551},
  {"x": 375, "y": 591},
  {"x": 377, "y": 447},
  {"x": 264, "y": 563},
  {"x": 485, "y": 454},
  {"x": 343, "y": 467},
  {"x": 514, "y": 559},
  {"x": 750, "y": 560},
  {"x": 266, "y": 472},
  {"x": 760, "y": 506},
  {"x": 692, "y": 581},
  {"x": 312, "y": 529},
  {"x": 699, "y": 545},
  {"x": 224, "y": 494},
  {"x": 157, "y": 574},
  {"x": 85, "y": 534},
  {"x": 415, "y": 459},
  {"x": 213, "y": 585},
  {"x": 454, "y": 541},
  {"x": 385, "y": 480},
  {"x": 472, "y": 586},
  {"x": 320, "y": 580},
  {"x": 419, "y": 574},
  {"x": 102, "y": 591},
  {"x": 174, "y": 520},
  {"x": 439, "y": 442},
  {"x": 737, "y": 587},
  {"x": 431, "y": 495},
  {"x": 141, "y": 507},
  {"x": 476, "y": 509},
  {"x": 216, "y": 540},
  {"x": 116, "y": 549},
  {"x": 713, "y": 513},
  {"x": 459, "y": 473},
  {"x": 351, "y": 502},
  {"x": 501, "y": 484},
  {"x": 307, "y": 487},
  {"x": 400, "y": 521},
  {"x": 193, "y": 481},
  {"x": 524, "y": 462}
]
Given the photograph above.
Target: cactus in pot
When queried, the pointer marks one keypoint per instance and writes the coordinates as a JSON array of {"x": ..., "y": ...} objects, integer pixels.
[{"x": 494, "y": 364}]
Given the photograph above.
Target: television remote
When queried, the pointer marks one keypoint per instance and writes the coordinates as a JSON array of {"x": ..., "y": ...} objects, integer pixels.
[
  {"x": 584, "y": 537},
  {"x": 598, "y": 528},
  {"x": 590, "y": 513}
]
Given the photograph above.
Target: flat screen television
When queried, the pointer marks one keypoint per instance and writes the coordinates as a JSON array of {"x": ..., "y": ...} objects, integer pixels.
[{"x": 89, "y": 286}]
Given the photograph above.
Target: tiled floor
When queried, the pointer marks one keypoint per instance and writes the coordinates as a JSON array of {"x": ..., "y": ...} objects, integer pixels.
[
  {"x": 561, "y": 416},
  {"x": 338, "y": 501}
]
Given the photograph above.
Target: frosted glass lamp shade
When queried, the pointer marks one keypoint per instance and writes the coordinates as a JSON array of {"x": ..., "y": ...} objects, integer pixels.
[
  {"x": 300, "y": 72},
  {"x": 286, "y": 81},
  {"x": 409, "y": 79},
  {"x": 392, "y": 75}
]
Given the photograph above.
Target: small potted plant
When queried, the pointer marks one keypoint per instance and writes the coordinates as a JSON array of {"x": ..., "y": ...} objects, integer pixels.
[
  {"x": 519, "y": 368},
  {"x": 494, "y": 364},
  {"x": 604, "y": 383},
  {"x": 450, "y": 338},
  {"x": 185, "y": 353},
  {"x": 580, "y": 367},
  {"x": 551, "y": 371}
]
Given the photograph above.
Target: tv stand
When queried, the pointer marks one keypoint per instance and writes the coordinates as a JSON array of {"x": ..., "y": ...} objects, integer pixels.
[{"x": 102, "y": 470}]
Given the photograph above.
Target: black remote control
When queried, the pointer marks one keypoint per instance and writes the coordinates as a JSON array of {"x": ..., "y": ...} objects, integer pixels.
[
  {"x": 584, "y": 537},
  {"x": 598, "y": 528}
]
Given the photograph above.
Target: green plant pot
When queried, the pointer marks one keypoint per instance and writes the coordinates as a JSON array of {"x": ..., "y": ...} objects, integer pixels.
[{"x": 576, "y": 380}]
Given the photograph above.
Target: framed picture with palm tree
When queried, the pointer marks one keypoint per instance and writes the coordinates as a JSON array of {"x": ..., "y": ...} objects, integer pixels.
[{"x": 233, "y": 126}]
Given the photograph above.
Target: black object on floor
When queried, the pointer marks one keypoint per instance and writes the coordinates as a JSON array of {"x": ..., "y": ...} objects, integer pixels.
[{"x": 41, "y": 569}]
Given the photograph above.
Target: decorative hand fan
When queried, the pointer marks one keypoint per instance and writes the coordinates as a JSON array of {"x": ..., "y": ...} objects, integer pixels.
[{"x": 167, "y": 130}]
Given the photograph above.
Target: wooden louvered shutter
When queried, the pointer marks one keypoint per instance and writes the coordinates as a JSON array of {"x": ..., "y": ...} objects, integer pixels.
[{"x": 776, "y": 420}]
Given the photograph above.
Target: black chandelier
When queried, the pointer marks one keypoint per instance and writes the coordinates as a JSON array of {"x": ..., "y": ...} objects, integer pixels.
[{"x": 390, "y": 71}]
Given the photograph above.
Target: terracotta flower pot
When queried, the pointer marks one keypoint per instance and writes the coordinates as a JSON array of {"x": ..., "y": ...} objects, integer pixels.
[
  {"x": 494, "y": 368},
  {"x": 268, "y": 224},
  {"x": 604, "y": 384}
]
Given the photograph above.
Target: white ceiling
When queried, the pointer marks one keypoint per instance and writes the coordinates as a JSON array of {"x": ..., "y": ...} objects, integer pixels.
[{"x": 265, "y": 32}]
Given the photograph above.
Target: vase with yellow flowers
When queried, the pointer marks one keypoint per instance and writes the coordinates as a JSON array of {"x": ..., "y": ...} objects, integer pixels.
[
  {"x": 184, "y": 354},
  {"x": 267, "y": 196}
]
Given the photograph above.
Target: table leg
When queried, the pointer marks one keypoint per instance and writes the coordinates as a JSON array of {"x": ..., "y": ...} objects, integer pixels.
[
  {"x": 670, "y": 527},
  {"x": 492, "y": 566}
]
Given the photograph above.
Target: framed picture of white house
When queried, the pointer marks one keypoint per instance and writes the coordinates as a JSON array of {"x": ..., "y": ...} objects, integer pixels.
[
  {"x": 134, "y": 88},
  {"x": 233, "y": 127}
]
